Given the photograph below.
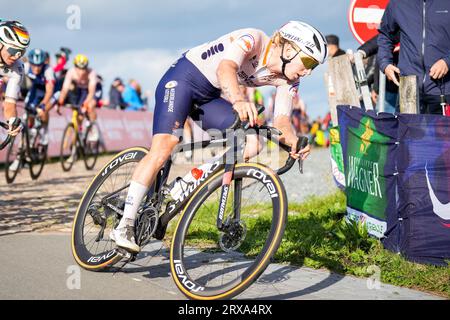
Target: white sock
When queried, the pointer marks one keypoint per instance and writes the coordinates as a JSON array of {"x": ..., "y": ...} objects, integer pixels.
[{"x": 136, "y": 193}]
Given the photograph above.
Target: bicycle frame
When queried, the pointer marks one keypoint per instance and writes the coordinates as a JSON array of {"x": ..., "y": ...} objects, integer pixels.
[
  {"x": 234, "y": 154},
  {"x": 76, "y": 124},
  {"x": 26, "y": 134},
  {"x": 235, "y": 142}
]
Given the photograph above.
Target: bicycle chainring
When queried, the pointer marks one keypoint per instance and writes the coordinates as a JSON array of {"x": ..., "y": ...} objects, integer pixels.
[{"x": 146, "y": 224}]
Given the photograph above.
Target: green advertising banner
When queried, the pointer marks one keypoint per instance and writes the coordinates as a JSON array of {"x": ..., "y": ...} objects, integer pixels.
[
  {"x": 337, "y": 160},
  {"x": 368, "y": 144}
]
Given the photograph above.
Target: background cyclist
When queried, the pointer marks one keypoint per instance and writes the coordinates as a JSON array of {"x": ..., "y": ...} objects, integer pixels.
[
  {"x": 209, "y": 76},
  {"x": 42, "y": 87},
  {"x": 81, "y": 82},
  {"x": 14, "y": 41}
]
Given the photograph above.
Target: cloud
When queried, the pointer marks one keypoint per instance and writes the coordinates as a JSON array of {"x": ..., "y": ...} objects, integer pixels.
[
  {"x": 119, "y": 36},
  {"x": 147, "y": 66}
]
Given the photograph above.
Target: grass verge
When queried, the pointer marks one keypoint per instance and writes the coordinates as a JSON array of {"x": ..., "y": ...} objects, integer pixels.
[{"x": 317, "y": 236}]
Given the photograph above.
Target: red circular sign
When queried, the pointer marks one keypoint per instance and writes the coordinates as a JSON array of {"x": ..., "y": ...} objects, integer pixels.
[{"x": 364, "y": 18}]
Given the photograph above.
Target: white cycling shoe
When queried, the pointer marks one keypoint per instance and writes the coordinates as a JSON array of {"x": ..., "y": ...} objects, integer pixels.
[
  {"x": 124, "y": 238},
  {"x": 14, "y": 166},
  {"x": 94, "y": 135}
]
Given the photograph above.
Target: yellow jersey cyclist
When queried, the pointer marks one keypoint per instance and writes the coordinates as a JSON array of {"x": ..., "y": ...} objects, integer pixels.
[
  {"x": 209, "y": 76},
  {"x": 80, "y": 86},
  {"x": 14, "y": 41}
]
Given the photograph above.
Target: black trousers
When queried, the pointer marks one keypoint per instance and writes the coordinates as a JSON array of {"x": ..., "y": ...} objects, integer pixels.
[{"x": 431, "y": 104}]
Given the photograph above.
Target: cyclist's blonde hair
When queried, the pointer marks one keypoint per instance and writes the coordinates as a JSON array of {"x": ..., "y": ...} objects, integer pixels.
[{"x": 278, "y": 40}]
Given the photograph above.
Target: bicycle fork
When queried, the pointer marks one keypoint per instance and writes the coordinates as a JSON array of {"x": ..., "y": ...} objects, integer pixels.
[{"x": 226, "y": 181}]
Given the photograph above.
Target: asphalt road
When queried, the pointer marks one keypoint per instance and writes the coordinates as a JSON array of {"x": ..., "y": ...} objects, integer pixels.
[
  {"x": 41, "y": 266},
  {"x": 36, "y": 261}
]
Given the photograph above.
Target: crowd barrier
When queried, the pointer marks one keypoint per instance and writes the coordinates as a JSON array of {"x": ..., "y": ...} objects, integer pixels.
[
  {"x": 397, "y": 179},
  {"x": 118, "y": 129}
]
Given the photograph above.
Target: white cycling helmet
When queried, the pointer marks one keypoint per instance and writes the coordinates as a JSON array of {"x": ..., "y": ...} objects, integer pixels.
[
  {"x": 310, "y": 40},
  {"x": 14, "y": 34}
]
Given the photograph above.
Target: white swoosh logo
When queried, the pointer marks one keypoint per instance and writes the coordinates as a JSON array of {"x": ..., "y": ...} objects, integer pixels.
[{"x": 440, "y": 209}]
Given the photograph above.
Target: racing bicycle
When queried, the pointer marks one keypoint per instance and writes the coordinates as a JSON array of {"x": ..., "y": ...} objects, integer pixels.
[
  {"x": 27, "y": 150},
  {"x": 231, "y": 222},
  {"x": 79, "y": 142}
]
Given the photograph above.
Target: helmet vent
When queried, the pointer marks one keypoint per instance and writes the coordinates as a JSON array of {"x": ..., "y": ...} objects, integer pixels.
[
  {"x": 8, "y": 34},
  {"x": 317, "y": 43}
]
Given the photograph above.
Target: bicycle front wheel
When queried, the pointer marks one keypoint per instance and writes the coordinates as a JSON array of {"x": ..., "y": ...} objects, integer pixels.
[
  {"x": 208, "y": 263},
  {"x": 68, "y": 151},
  {"x": 38, "y": 155},
  {"x": 14, "y": 159}
]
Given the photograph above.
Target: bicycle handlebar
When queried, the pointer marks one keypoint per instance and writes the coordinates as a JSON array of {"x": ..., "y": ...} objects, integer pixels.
[
  {"x": 5, "y": 126},
  {"x": 244, "y": 124},
  {"x": 301, "y": 143}
]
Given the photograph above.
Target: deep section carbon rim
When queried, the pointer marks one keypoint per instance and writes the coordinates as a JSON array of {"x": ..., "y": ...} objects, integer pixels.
[
  {"x": 97, "y": 214},
  {"x": 68, "y": 150},
  {"x": 211, "y": 264}
]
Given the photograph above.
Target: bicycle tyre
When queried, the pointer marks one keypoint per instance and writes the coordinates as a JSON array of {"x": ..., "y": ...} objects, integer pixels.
[
  {"x": 183, "y": 281},
  {"x": 10, "y": 157},
  {"x": 80, "y": 252},
  {"x": 37, "y": 163},
  {"x": 90, "y": 149},
  {"x": 67, "y": 165}
]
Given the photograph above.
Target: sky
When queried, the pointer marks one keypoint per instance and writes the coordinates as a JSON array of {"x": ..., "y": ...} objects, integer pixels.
[{"x": 140, "y": 39}]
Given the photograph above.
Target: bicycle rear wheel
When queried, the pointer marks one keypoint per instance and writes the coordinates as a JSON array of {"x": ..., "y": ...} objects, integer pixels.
[
  {"x": 98, "y": 214},
  {"x": 68, "y": 150},
  {"x": 38, "y": 155},
  {"x": 14, "y": 158},
  {"x": 91, "y": 146},
  {"x": 210, "y": 264}
]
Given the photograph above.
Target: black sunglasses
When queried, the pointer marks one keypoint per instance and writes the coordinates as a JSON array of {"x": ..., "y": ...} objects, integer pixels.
[{"x": 16, "y": 52}]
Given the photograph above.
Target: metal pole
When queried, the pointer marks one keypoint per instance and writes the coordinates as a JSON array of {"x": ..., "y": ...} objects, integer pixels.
[{"x": 362, "y": 81}]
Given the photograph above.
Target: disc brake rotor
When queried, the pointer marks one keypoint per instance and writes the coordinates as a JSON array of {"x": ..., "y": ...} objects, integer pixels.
[{"x": 233, "y": 235}]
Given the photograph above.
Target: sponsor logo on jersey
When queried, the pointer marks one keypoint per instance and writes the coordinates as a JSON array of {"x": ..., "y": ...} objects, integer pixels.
[
  {"x": 213, "y": 50},
  {"x": 171, "y": 84},
  {"x": 246, "y": 42}
]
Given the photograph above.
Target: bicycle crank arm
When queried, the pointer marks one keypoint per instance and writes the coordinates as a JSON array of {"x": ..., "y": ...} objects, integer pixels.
[{"x": 226, "y": 181}]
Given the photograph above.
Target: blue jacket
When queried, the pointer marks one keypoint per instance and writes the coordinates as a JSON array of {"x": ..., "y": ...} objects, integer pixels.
[
  {"x": 424, "y": 27},
  {"x": 131, "y": 97}
]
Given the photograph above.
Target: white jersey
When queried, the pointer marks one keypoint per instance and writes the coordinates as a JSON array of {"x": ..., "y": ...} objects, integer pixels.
[
  {"x": 88, "y": 80},
  {"x": 250, "y": 49},
  {"x": 14, "y": 74}
]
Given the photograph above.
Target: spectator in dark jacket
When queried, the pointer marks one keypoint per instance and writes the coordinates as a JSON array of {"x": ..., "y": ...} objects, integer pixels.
[
  {"x": 333, "y": 46},
  {"x": 424, "y": 27},
  {"x": 369, "y": 50},
  {"x": 115, "y": 95}
]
